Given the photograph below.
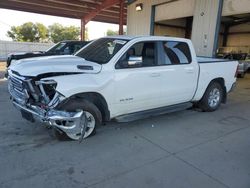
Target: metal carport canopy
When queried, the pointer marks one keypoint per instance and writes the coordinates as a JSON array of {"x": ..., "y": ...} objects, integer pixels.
[{"x": 108, "y": 11}]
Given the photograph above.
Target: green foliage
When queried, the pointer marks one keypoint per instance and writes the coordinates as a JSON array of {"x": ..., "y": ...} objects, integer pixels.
[
  {"x": 111, "y": 32},
  {"x": 30, "y": 32}
]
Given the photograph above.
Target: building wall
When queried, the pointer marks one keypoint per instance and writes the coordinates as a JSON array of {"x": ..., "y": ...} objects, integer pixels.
[
  {"x": 174, "y": 10},
  {"x": 138, "y": 23},
  {"x": 7, "y": 47},
  {"x": 168, "y": 31},
  {"x": 232, "y": 7},
  {"x": 239, "y": 35},
  {"x": 174, "y": 27},
  {"x": 204, "y": 26}
]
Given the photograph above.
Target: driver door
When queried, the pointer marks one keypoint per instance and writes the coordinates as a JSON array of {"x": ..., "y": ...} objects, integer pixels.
[{"x": 137, "y": 86}]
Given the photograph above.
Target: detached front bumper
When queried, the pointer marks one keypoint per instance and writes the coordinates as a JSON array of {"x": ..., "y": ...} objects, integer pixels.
[{"x": 68, "y": 122}]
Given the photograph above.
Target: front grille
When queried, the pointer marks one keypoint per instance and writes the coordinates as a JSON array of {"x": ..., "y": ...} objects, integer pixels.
[
  {"x": 17, "y": 90},
  {"x": 17, "y": 84}
]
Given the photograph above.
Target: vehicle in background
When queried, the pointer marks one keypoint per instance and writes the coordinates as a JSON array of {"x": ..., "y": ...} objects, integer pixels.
[
  {"x": 247, "y": 61},
  {"x": 243, "y": 64},
  {"x": 66, "y": 47},
  {"x": 119, "y": 77}
]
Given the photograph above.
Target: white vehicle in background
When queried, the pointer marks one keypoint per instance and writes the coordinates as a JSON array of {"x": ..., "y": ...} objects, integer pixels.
[
  {"x": 243, "y": 60},
  {"x": 119, "y": 78}
]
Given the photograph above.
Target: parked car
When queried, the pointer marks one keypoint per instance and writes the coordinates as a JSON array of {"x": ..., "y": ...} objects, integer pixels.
[
  {"x": 120, "y": 78},
  {"x": 66, "y": 47},
  {"x": 243, "y": 65},
  {"x": 247, "y": 61}
]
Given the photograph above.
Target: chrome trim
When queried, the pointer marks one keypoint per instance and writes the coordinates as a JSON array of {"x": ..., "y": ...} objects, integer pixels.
[
  {"x": 71, "y": 123},
  {"x": 55, "y": 118},
  {"x": 16, "y": 89},
  {"x": 15, "y": 75},
  {"x": 41, "y": 84}
]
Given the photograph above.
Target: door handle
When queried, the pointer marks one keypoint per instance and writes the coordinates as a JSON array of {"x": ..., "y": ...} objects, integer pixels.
[{"x": 155, "y": 74}]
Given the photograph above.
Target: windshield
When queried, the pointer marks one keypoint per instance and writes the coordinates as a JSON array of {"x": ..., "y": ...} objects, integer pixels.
[
  {"x": 56, "y": 47},
  {"x": 101, "y": 50}
]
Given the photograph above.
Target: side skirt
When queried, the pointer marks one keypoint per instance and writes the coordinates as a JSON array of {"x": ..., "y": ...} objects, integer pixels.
[{"x": 152, "y": 112}]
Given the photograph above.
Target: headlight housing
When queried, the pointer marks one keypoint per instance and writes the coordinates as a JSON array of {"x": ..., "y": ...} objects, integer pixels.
[{"x": 48, "y": 89}]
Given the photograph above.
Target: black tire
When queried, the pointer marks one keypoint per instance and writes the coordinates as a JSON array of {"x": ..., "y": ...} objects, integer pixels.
[
  {"x": 204, "y": 104},
  {"x": 85, "y": 106}
]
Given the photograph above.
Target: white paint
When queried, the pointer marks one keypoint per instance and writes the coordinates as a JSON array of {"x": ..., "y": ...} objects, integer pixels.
[{"x": 145, "y": 88}]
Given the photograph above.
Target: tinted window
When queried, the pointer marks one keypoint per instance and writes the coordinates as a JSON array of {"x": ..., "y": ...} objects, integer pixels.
[
  {"x": 145, "y": 50},
  {"x": 101, "y": 50},
  {"x": 56, "y": 47},
  {"x": 175, "y": 53}
]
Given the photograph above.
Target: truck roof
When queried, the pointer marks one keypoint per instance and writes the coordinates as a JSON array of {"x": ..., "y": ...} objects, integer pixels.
[{"x": 147, "y": 37}]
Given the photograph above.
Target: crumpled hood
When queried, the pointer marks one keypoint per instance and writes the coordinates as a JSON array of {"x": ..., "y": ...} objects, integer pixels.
[{"x": 54, "y": 64}]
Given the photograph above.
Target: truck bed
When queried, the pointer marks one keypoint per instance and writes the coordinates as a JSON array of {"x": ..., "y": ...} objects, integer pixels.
[
  {"x": 211, "y": 68},
  {"x": 201, "y": 59}
]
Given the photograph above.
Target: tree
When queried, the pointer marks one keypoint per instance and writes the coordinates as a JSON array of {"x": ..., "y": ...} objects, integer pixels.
[
  {"x": 57, "y": 32},
  {"x": 42, "y": 32},
  {"x": 111, "y": 32},
  {"x": 28, "y": 32}
]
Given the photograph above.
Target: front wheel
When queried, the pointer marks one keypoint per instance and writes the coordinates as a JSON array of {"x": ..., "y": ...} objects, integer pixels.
[
  {"x": 212, "y": 98},
  {"x": 93, "y": 115}
]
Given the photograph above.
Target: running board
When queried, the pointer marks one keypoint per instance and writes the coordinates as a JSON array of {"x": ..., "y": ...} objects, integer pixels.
[{"x": 153, "y": 112}]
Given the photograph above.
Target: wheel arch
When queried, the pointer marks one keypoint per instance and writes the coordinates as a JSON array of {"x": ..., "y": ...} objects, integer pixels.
[
  {"x": 221, "y": 81},
  {"x": 96, "y": 98}
]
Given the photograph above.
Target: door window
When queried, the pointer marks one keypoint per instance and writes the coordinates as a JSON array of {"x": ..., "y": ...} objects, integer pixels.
[{"x": 143, "y": 52}]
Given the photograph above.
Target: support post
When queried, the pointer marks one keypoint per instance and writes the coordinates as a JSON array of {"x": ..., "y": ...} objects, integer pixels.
[
  {"x": 152, "y": 20},
  {"x": 217, "y": 29},
  {"x": 206, "y": 26},
  {"x": 121, "y": 17},
  {"x": 82, "y": 29}
]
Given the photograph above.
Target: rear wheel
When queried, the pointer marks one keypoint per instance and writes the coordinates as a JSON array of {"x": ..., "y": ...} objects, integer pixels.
[
  {"x": 93, "y": 115},
  {"x": 212, "y": 98}
]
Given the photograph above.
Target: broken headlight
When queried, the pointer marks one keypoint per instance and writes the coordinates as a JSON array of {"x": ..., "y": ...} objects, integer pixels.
[{"x": 48, "y": 89}]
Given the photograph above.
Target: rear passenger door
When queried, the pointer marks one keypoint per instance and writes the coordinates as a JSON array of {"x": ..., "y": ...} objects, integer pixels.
[{"x": 179, "y": 72}]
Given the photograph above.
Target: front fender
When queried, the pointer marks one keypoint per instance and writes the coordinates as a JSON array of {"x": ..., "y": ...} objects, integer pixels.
[{"x": 69, "y": 85}]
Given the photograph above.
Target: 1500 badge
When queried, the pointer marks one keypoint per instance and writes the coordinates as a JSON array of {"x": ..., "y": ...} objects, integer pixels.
[{"x": 127, "y": 99}]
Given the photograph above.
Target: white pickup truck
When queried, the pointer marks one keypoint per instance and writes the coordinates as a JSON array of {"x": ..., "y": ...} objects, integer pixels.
[{"x": 119, "y": 78}]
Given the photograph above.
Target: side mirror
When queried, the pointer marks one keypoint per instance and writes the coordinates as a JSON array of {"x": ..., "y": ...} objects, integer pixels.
[{"x": 135, "y": 61}]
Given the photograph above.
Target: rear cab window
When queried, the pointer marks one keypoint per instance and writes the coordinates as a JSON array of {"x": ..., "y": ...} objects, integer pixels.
[{"x": 174, "y": 53}]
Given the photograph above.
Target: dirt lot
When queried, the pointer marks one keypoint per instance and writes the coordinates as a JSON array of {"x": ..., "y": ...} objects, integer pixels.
[
  {"x": 184, "y": 149},
  {"x": 2, "y": 69}
]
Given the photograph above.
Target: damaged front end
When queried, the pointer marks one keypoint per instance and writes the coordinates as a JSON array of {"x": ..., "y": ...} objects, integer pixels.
[{"x": 37, "y": 100}]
